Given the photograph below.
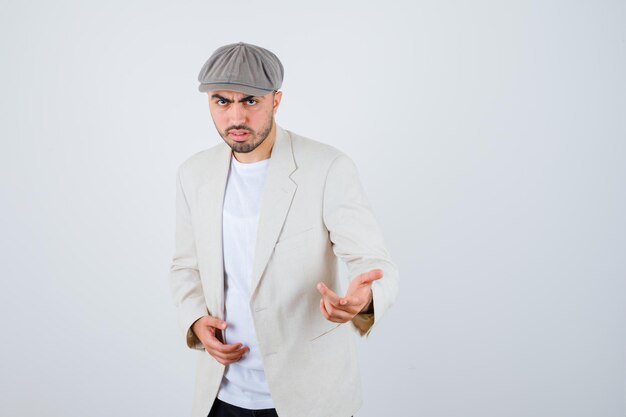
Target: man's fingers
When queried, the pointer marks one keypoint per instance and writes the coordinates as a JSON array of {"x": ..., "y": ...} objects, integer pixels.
[
  {"x": 328, "y": 293},
  {"x": 323, "y": 309},
  {"x": 214, "y": 344},
  {"x": 214, "y": 322},
  {"x": 218, "y": 346},
  {"x": 206, "y": 327},
  {"x": 230, "y": 357},
  {"x": 228, "y": 361},
  {"x": 333, "y": 308},
  {"x": 343, "y": 309},
  {"x": 350, "y": 301},
  {"x": 232, "y": 354},
  {"x": 370, "y": 276},
  {"x": 225, "y": 353},
  {"x": 336, "y": 314}
]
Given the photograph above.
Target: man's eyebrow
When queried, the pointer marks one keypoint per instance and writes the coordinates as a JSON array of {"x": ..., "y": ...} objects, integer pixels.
[
  {"x": 217, "y": 96},
  {"x": 243, "y": 100}
]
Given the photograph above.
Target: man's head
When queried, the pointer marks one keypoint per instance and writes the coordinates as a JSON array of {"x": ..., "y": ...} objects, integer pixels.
[
  {"x": 244, "y": 121},
  {"x": 242, "y": 82}
]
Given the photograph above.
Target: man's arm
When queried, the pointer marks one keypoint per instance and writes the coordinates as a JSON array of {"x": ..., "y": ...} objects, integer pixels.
[
  {"x": 358, "y": 241},
  {"x": 184, "y": 274}
]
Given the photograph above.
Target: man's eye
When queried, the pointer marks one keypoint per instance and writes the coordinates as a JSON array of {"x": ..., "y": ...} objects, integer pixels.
[
  {"x": 251, "y": 102},
  {"x": 221, "y": 102}
]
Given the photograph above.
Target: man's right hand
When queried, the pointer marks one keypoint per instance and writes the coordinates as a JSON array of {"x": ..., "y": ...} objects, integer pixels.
[{"x": 205, "y": 329}]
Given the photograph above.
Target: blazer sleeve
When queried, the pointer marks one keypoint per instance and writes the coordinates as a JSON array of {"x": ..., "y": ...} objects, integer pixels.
[
  {"x": 184, "y": 276},
  {"x": 357, "y": 238}
]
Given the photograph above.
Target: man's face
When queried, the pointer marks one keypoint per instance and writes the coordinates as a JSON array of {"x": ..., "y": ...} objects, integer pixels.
[{"x": 243, "y": 121}]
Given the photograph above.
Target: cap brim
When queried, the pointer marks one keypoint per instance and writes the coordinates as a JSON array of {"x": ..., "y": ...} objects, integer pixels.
[{"x": 253, "y": 91}]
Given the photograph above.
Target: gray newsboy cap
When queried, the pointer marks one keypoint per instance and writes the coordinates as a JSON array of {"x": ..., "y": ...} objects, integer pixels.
[{"x": 242, "y": 67}]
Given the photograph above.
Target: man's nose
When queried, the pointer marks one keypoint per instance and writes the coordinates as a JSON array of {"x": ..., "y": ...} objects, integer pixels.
[{"x": 237, "y": 114}]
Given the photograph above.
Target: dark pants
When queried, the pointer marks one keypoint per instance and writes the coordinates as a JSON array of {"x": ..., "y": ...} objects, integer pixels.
[{"x": 222, "y": 409}]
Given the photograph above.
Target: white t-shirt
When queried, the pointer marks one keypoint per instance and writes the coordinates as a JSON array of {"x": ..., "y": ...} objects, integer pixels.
[{"x": 244, "y": 383}]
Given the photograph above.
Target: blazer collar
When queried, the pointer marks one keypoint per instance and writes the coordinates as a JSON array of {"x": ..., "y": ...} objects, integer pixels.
[
  {"x": 208, "y": 228},
  {"x": 277, "y": 197},
  {"x": 278, "y": 194}
]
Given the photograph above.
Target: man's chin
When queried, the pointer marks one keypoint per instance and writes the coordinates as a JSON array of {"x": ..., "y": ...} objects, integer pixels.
[{"x": 241, "y": 147}]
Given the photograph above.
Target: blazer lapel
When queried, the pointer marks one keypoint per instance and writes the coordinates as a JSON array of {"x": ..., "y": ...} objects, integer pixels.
[
  {"x": 210, "y": 202},
  {"x": 277, "y": 197}
]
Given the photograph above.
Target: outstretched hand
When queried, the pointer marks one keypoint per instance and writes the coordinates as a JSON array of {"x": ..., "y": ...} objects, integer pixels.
[
  {"x": 209, "y": 330},
  {"x": 357, "y": 299}
]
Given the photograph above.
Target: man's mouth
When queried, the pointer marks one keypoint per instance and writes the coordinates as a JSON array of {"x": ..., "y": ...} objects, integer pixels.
[{"x": 239, "y": 135}]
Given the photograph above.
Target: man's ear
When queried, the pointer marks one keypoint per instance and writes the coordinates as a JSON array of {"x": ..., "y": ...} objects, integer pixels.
[{"x": 277, "y": 97}]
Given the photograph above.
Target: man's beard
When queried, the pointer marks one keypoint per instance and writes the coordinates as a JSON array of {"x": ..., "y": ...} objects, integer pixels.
[{"x": 253, "y": 141}]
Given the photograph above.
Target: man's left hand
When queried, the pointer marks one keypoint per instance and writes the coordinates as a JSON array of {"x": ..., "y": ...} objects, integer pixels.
[{"x": 357, "y": 298}]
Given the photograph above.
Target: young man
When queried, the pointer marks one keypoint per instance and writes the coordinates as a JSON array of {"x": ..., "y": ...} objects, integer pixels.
[{"x": 260, "y": 222}]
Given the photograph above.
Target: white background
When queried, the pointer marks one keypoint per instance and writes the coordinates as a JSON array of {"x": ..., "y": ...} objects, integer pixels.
[{"x": 490, "y": 137}]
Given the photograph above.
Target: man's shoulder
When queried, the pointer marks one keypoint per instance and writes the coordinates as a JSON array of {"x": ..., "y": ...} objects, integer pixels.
[
  {"x": 202, "y": 159},
  {"x": 306, "y": 149}
]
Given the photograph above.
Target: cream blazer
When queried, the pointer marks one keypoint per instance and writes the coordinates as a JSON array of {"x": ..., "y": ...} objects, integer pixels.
[{"x": 313, "y": 212}]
